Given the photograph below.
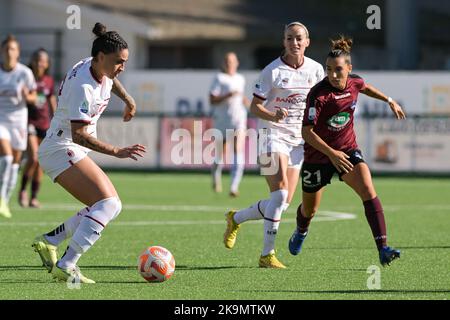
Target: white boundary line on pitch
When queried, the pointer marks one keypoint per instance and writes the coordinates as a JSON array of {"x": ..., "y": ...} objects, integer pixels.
[
  {"x": 322, "y": 216},
  {"x": 204, "y": 208},
  {"x": 150, "y": 207}
]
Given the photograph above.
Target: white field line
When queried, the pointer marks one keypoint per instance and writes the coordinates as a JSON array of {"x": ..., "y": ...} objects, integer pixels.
[
  {"x": 322, "y": 216},
  {"x": 203, "y": 208},
  {"x": 149, "y": 207}
]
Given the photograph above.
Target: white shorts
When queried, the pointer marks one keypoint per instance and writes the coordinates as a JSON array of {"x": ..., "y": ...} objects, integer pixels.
[
  {"x": 56, "y": 156},
  {"x": 15, "y": 134},
  {"x": 273, "y": 144}
]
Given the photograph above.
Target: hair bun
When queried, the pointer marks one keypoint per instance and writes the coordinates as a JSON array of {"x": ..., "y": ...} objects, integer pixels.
[
  {"x": 343, "y": 43},
  {"x": 11, "y": 37},
  {"x": 99, "y": 29}
]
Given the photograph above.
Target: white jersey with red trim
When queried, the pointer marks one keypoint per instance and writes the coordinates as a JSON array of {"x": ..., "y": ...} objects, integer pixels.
[
  {"x": 231, "y": 110},
  {"x": 283, "y": 86},
  {"x": 82, "y": 98},
  {"x": 13, "y": 107}
]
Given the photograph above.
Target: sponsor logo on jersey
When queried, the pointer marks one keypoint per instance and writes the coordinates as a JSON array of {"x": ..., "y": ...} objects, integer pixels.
[
  {"x": 312, "y": 114},
  {"x": 8, "y": 93},
  {"x": 342, "y": 96},
  {"x": 293, "y": 99},
  {"x": 257, "y": 86},
  {"x": 339, "y": 121},
  {"x": 74, "y": 71},
  {"x": 84, "y": 107},
  {"x": 70, "y": 153},
  {"x": 358, "y": 155}
]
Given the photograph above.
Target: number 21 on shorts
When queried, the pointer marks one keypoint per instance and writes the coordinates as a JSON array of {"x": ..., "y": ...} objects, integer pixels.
[{"x": 307, "y": 175}]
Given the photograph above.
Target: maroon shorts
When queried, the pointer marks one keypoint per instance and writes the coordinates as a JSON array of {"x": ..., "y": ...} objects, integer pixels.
[{"x": 317, "y": 175}]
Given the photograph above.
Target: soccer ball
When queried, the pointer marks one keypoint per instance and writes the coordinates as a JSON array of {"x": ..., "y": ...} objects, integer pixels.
[{"x": 156, "y": 264}]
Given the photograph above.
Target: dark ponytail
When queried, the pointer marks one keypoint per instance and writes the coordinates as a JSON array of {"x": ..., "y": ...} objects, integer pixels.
[
  {"x": 106, "y": 41},
  {"x": 35, "y": 57}
]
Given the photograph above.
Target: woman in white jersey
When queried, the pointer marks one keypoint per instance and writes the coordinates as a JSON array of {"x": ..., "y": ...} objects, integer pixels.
[
  {"x": 83, "y": 96},
  {"x": 17, "y": 88},
  {"x": 229, "y": 112},
  {"x": 279, "y": 101}
]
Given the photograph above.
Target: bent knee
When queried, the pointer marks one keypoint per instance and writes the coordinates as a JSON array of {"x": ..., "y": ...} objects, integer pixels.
[
  {"x": 117, "y": 206},
  {"x": 283, "y": 184},
  {"x": 279, "y": 197},
  {"x": 367, "y": 193},
  {"x": 108, "y": 208}
]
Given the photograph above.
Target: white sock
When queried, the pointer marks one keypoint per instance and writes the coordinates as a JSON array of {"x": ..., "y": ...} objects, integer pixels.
[
  {"x": 5, "y": 171},
  {"x": 89, "y": 230},
  {"x": 237, "y": 171},
  {"x": 69, "y": 258},
  {"x": 12, "y": 180},
  {"x": 272, "y": 217},
  {"x": 254, "y": 212},
  {"x": 217, "y": 174},
  {"x": 67, "y": 229}
]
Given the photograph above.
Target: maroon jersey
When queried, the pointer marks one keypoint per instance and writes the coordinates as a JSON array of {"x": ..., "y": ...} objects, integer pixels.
[
  {"x": 330, "y": 111},
  {"x": 39, "y": 113}
]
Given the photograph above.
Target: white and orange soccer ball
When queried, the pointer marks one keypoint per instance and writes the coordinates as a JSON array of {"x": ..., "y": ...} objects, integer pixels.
[{"x": 156, "y": 264}]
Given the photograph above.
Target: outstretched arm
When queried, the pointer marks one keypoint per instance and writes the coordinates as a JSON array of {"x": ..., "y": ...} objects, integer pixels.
[
  {"x": 83, "y": 138},
  {"x": 373, "y": 92},
  {"x": 130, "y": 104}
]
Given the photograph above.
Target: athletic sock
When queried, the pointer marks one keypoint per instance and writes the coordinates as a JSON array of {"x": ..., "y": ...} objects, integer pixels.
[
  {"x": 12, "y": 180},
  {"x": 216, "y": 172},
  {"x": 67, "y": 229},
  {"x": 89, "y": 229},
  {"x": 24, "y": 182},
  {"x": 272, "y": 218},
  {"x": 237, "y": 171},
  {"x": 35, "y": 186},
  {"x": 69, "y": 258},
  {"x": 302, "y": 221},
  {"x": 254, "y": 212},
  {"x": 375, "y": 218},
  {"x": 5, "y": 171}
]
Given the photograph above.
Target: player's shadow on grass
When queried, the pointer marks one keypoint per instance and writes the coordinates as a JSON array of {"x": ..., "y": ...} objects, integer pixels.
[
  {"x": 28, "y": 268},
  {"x": 29, "y": 281},
  {"x": 106, "y": 267},
  {"x": 212, "y": 267},
  {"x": 88, "y": 267},
  {"x": 178, "y": 267},
  {"x": 20, "y": 268},
  {"x": 424, "y": 247},
  {"x": 349, "y": 291},
  {"x": 370, "y": 248}
]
